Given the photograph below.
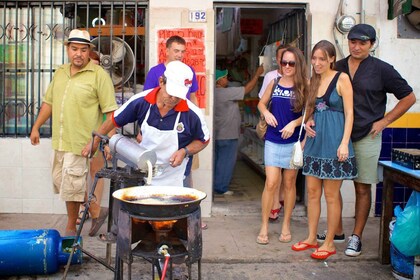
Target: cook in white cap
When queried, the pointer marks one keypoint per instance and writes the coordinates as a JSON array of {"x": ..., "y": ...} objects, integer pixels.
[{"x": 170, "y": 124}]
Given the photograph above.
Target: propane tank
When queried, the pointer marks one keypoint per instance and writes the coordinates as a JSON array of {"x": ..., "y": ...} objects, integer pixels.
[{"x": 35, "y": 252}]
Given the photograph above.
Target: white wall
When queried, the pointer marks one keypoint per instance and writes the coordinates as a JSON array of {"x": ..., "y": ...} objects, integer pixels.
[{"x": 26, "y": 185}]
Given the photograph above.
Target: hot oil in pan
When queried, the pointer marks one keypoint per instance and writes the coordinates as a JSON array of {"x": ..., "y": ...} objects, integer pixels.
[{"x": 160, "y": 199}]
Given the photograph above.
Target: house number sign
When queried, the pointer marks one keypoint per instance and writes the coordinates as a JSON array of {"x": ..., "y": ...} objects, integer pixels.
[{"x": 197, "y": 16}]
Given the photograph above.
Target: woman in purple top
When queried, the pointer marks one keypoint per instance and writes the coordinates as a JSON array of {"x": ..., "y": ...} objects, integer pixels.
[{"x": 283, "y": 119}]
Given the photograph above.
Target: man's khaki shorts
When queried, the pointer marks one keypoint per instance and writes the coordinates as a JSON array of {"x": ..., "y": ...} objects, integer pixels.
[
  {"x": 367, "y": 151},
  {"x": 69, "y": 174}
]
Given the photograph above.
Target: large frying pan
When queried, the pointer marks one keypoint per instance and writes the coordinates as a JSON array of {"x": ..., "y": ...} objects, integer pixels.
[{"x": 159, "y": 201}]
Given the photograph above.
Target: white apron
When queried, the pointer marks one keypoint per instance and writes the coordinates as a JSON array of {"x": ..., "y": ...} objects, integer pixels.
[{"x": 164, "y": 143}]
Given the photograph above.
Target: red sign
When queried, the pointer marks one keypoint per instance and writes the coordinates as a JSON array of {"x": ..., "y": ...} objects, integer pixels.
[{"x": 194, "y": 55}]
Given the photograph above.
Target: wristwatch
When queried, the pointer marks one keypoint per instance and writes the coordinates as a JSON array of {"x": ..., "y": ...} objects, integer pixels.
[{"x": 187, "y": 153}]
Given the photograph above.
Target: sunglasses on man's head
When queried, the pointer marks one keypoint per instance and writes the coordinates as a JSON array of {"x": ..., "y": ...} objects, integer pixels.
[{"x": 284, "y": 63}]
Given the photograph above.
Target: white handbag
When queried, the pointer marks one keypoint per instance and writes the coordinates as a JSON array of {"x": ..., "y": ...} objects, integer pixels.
[
  {"x": 296, "y": 161},
  {"x": 297, "y": 156}
]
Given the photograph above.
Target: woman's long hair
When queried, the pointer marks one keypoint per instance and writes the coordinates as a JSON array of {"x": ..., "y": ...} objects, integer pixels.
[
  {"x": 300, "y": 79},
  {"x": 328, "y": 50}
]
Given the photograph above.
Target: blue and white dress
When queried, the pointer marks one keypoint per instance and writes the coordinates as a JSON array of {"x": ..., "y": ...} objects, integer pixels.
[{"x": 320, "y": 154}]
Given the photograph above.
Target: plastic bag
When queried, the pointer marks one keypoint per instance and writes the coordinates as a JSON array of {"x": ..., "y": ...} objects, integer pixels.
[{"x": 406, "y": 233}]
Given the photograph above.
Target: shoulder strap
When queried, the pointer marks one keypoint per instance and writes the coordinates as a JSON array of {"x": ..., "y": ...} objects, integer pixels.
[
  {"x": 303, "y": 123},
  {"x": 330, "y": 88},
  {"x": 276, "y": 81}
]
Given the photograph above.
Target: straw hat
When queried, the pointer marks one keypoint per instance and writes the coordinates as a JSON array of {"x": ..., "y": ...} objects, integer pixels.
[{"x": 79, "y": 37}]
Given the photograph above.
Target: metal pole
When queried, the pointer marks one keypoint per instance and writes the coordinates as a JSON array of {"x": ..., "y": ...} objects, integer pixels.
[{"x": 362, "y": 11}]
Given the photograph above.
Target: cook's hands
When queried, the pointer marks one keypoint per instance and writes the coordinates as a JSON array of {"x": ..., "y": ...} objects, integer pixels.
[
  {"x": 177, "y": 158},
  {"x": 107, "y": 151},
  {"x": 270, "y": 119},
  {"x": 377, "y": 127},
  {"x": 87, "y": 152},
  {"x": 288, "y": 130},
  {"x": 139, "y": 137},
  {"x": 343, "y": 152},
  {"x": 310, "y": 132},
  {"x": 34, "y": 136}
]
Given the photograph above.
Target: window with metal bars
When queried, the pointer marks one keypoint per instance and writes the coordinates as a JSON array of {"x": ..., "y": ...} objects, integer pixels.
[{"x": 31, "y": 48}]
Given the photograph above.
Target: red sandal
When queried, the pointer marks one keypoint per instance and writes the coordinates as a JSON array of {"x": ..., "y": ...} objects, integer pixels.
[{"x": 275, "y": 214}]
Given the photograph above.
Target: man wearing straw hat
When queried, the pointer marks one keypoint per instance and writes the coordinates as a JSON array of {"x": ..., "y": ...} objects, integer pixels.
[{"x": 76, "y": 99}]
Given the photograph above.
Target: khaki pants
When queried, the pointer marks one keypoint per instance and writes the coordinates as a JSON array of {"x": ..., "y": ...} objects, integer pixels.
[{"x": 69, "y": 174}]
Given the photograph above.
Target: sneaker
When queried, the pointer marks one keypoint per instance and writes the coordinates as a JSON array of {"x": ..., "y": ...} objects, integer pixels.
[
  {"x": 337, "y": 238},
  {"x": 228, "y": 193},
  {"x": 354, "y": 247}
]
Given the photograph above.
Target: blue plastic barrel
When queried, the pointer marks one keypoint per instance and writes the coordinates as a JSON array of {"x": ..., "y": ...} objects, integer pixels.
[{"x": 35, "y": 252}]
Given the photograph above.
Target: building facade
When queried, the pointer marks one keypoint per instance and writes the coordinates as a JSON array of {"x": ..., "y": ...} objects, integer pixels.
[{"x": 31, "y": 41}]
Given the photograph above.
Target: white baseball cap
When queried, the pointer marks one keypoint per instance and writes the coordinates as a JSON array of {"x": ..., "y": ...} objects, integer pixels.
[{"x": 178, "y": 79}]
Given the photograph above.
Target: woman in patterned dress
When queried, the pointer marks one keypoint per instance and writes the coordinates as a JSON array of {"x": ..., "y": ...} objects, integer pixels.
[{"x": 329, "y": 156}]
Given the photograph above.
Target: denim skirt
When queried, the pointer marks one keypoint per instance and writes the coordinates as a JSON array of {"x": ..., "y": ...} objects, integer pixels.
[{"x": 277, "y": 155}]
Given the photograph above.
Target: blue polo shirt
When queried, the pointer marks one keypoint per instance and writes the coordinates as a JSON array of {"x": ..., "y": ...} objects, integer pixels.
[{"x": 191, "y": 125}]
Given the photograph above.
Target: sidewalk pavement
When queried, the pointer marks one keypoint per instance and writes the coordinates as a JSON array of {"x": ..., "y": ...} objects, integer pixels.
[{"x": 230, "y": 251}]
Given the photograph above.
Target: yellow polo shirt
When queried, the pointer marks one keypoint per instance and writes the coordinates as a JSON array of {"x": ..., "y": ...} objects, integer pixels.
[{"x": 78, "y": 104}]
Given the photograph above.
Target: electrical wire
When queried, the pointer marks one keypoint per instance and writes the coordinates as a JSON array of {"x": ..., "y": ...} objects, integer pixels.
[
  {"x": 337, "y": 15},
  {"x": 265, "y": 45},
  {"x": 340, "y": 49}
]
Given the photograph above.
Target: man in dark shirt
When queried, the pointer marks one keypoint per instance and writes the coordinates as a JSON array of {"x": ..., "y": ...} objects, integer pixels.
[{"x": 371, "y": 79}]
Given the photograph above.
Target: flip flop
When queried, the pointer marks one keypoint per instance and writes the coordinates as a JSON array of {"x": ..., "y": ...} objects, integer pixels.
[
  {"x": 262, "y": 239},
  {"x": 98, "y": 222},
  {"x": 296, "y": 247},
  {"x": 285, "y": 237},
  {"x": 315, "y": 254}
]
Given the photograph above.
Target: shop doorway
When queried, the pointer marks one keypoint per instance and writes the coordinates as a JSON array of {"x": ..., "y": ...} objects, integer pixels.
[{"x": 246, "y": 33}]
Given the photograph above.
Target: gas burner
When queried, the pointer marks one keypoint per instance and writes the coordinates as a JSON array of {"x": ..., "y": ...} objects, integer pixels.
[
  {"x": 180, "y": 235},
  {"x": 162, "y": 229}
]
